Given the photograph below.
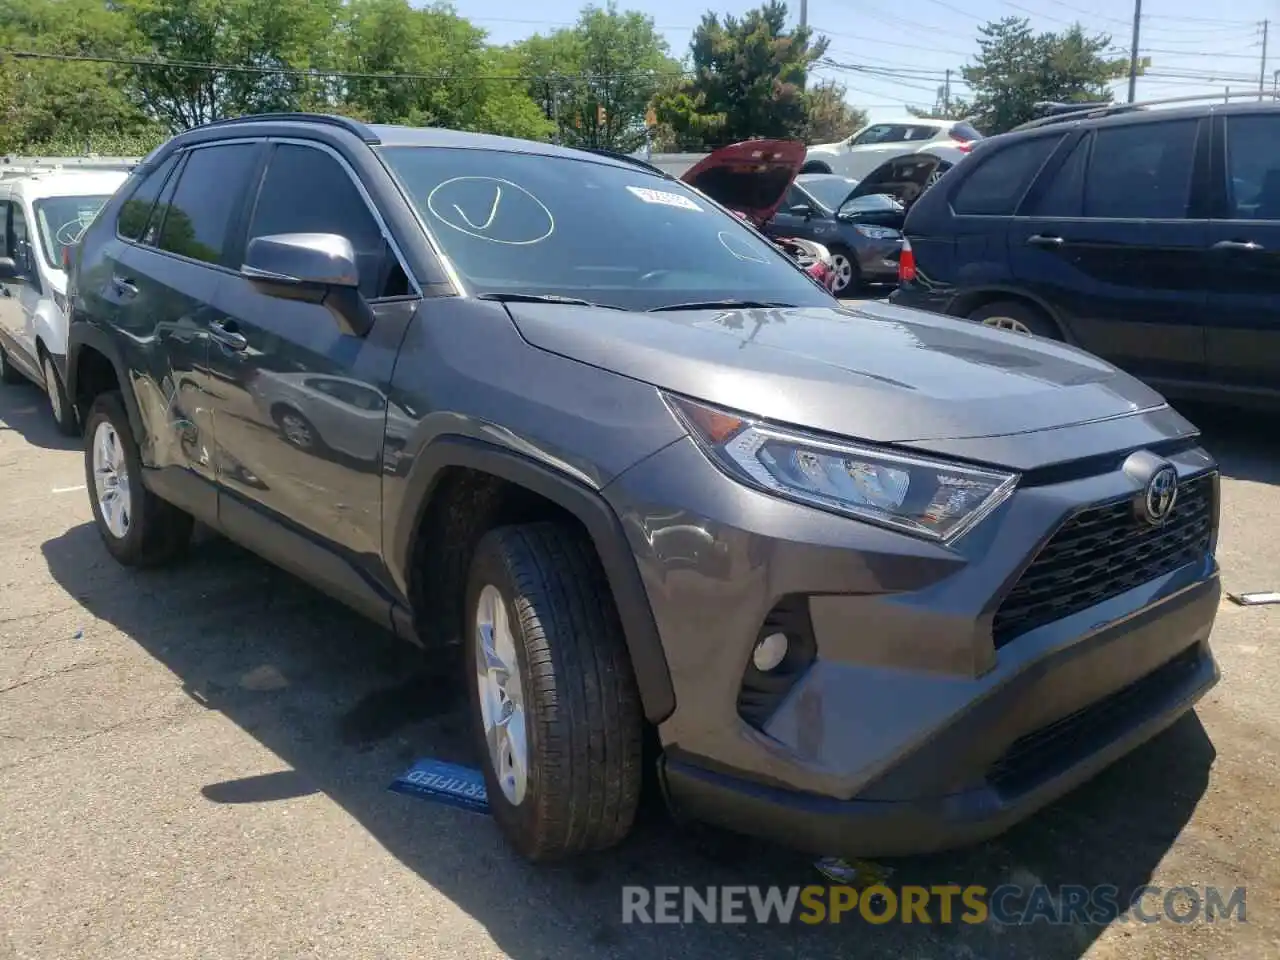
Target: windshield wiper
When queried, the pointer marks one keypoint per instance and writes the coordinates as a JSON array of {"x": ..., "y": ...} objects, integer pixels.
[
  {"x": 545, "y": 298},
  {"x": 722, "y": 305}
]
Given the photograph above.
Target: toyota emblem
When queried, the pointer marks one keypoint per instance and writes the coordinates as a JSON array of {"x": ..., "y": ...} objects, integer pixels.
[{"x": 1161, "y": 494}]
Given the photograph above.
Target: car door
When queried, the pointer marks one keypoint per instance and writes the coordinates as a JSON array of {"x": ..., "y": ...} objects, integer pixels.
[
  {"x": 881, "y": 143},
  {"x": 1113, "y": 240},
  {"x": 1242, "y": 332},
  {"x": 788, "y": 224},
  {"x": 157, "y": 284},
  {"x": 18, "y": 292},
  {"x": 286, "y": 450}
]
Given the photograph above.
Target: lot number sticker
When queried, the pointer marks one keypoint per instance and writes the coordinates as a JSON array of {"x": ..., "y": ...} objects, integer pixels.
[{"x": 665, "y": 198}]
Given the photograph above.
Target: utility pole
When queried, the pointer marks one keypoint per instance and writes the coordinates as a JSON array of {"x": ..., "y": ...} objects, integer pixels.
[
  {"x": 1275, "y": 84},
  {"x": 946, "y": 94},
  {"x": 1133, "y": 50},
  {"x": 1262, "y": 74},
  {"x": 804, "y": 13}
]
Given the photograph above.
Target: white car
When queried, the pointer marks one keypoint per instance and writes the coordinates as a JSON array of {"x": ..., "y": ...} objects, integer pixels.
[
  {"x": 877, "y": 143},
  {"x": 40, "y": 217}
]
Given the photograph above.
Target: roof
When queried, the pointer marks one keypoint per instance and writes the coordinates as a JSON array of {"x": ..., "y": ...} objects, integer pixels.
[{"x": 68, "y": 184}]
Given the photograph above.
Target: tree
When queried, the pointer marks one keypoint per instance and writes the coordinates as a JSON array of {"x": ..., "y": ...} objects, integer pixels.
[
  {"x": 829, "y": 117},
  {"x": 594, "y": 81},
  {"x": 1016, "y": 68},
  {"x": 749, "y": 81}
]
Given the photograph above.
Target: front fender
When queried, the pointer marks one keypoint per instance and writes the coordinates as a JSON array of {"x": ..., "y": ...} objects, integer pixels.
[{"x": 51, "y": 330}]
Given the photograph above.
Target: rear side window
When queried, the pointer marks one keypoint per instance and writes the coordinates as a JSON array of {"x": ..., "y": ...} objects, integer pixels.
[
  {"x": 997, "y": 185},
  {"x": 1141, "y": 171},
  {"x": 921, "y": 133},
  {"x": 1253, "y": 167},
  {"x": 210, "y": 189},
  {"x": 881, "y": 133},
  {"x": 1064, "y": 196},
  {"x": 132, "y": 219}
]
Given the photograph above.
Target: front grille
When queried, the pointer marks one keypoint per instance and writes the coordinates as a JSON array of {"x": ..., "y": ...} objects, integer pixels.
[
  {"x": 1101, "y": 552},
  {"x": 1037, "y": 756}
]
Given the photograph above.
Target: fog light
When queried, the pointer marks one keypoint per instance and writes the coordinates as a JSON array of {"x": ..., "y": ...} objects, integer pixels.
[{"x": 770, "y": 652}]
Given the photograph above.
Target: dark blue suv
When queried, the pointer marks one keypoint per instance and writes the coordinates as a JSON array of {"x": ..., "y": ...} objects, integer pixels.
[{"x": 1148, "y": 237}]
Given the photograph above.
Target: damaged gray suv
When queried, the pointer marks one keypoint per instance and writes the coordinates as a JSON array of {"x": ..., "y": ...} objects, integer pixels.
[{"x": 873, "y": 581}]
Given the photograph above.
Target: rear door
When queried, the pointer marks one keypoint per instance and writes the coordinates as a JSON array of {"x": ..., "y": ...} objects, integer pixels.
[
  {"x": 1243, "y": 315},
  {"x": 1113, "y": 242}
]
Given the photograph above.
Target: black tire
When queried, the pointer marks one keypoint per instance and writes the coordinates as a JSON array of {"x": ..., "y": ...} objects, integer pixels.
[
  {"x": 60, "y": 407},
  {"x": 1032, "y": 318},
  {"x": 815, "y": 166},
  {"x": 157, "y": 532},
  {"x": 305, "y": 438},
  {"x": 582, "y": 714},
  {"x": 855, "y": 278},
  {"x": 8, "y": 372}
]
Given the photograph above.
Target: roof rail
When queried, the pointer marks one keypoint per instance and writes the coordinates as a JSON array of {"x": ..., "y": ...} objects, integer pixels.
[
  {"x": 626, "y": 158},
  {"x": 361, "y": 130},
  {"x": 1064, "y": 112}
]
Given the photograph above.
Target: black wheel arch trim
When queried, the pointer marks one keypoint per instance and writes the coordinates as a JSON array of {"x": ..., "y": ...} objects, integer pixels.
[
  {"x": 84, "y": 335},
  {"x": 648, "y": 660}
]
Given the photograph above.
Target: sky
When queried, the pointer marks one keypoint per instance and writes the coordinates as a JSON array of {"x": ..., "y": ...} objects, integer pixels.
[{"x": 892, "y": 56}]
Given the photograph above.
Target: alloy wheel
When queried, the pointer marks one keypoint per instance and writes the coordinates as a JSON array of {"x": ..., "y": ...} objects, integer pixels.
[
  {"x": 502, "y": 702},
  {"x": 111, "y": 480},
  {"x": 1007, "y": 323}
]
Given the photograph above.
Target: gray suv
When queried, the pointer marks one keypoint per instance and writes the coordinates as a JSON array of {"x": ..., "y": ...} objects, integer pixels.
[{"x": 874, "y": 581}]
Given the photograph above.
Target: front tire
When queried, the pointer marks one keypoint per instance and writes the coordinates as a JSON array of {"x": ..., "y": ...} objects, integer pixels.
[
  {"x": 137, "y": 527},
  {"x": 848, "y": 275},
  {"x": 556, "y": 710},
  {"x": 64, "y": 414}
]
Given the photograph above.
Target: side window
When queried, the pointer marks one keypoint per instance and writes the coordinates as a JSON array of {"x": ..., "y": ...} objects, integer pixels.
[
  {"x": 1253, "y": 167},
  {"x": 1065, "y": 195},
  {"x": 5, "y": 249},
  {"x": 1141, "y": 171},
  {"x": 210, "y": 189},
  {"x": 132, "y": 219},
  {"x": 19, "y": 241},
  {"x": 307, "y": 190},
  {"x": 921, "y": 133},
  {"x": 794, "y": 198},
  {"x": 881, "y": 133},
  {"x": 996, "y": 186}
]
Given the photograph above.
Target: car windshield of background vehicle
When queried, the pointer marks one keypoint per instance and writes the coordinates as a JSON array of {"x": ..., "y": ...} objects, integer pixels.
[
  {"x": 538, "y": 225},
  {"x": 60, "y": 222},
  {"x": 830, "y": 191}
]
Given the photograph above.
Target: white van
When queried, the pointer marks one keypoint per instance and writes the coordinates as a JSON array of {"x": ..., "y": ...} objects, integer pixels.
[{"x": 40, "y": 216}]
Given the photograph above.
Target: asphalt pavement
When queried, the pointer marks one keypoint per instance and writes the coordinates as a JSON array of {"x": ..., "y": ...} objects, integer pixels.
[{"x": 195, "y": 764}]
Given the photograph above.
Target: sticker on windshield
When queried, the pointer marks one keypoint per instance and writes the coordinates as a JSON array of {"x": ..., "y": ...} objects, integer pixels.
[{"x": 665, "y": 198}]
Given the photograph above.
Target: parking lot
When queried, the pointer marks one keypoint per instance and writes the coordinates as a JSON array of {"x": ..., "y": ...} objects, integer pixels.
[{"x": 196, "y": 764}]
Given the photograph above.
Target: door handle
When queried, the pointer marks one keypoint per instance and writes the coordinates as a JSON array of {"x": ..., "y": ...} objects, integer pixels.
[
  {"x": 1044, "y": 240},
  {"x": 224, "y": 332},
  {"x": 1242, "y": 246},
  {"x": 125, "y": 286}
]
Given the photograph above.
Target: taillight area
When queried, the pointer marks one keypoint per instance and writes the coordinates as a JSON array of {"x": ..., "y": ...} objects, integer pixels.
[
  {"x": 906, "y": 263},
  {"x": 963, "y": 145}
]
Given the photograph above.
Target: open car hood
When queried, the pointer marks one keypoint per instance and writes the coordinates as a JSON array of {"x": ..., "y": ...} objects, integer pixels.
[
  {"x": 903, "y": 178},
  {"x": 751, "y": 177}
]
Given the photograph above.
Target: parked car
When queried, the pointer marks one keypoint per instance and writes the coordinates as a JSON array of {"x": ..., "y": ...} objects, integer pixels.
[
  {"x": 873, "y": 581},
  {"x": 863, "y": 151},
  {"x": 41, "y": 216},
  {"x": 1149, "y": 237},
  {"x": 751, "y": 179}
]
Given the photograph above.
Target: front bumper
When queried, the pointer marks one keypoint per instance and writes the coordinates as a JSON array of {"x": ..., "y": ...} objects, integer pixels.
[{"x": 911, "y": 730}]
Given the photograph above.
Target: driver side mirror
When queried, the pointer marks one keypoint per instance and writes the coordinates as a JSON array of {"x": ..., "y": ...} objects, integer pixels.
[
  {"x": 317, "y": 268},
  {"x": 801, "y": 210}
]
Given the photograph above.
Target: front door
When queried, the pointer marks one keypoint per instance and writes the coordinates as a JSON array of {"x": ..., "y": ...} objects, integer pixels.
[
  {"x": 1243, "y": 315},
  {"x": 1113, "y": 244},
  {"x": 17, "y": 294},
  {"x": 302, "y": 409}
]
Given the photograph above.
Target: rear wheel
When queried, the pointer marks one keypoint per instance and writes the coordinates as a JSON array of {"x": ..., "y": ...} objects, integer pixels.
[
  {"x": 137, "y": 527},
  {"x": 815, "y": 166},
  {"x": 554, "y": 700},
  {"x": 1017, "y": 317}
]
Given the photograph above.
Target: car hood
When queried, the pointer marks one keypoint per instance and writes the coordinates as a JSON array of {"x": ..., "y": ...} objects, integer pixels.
[
  {"x": 750, "y": 177},
  {"x": 876, "y": 372},
  {"x": 902, "y": 177}
]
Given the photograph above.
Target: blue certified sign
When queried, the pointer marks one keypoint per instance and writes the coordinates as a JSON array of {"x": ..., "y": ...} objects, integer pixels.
[{"x": 446, "y": 783}]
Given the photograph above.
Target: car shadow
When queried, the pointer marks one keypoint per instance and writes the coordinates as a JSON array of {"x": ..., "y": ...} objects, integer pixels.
[
  {"x": 1244, "y": 442},
  {"x": 347, "y": 708},
  {"x": 24, "y": 409}
]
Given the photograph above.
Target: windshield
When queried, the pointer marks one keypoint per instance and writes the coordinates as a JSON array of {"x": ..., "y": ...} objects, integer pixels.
[
  {"x": 60, "y": 221},
  {"x": 829, "y": 191},
  {"x": 518, "y": 223},
  {"x": 872, "y": 203}
]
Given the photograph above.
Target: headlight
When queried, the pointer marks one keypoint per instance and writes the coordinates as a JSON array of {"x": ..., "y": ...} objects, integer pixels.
[
  {"x": 877, "y": 233},
  {"x": 916, "y": 495}
]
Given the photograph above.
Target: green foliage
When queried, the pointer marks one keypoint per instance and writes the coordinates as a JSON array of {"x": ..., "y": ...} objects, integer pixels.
[
  {"x": 829, "y": 117},
  {"x": 1017, "y": 68},
  {"x": 749, "y": 81}
]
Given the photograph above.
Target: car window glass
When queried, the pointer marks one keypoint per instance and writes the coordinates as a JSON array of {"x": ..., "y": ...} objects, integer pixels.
[
  {"x": 132, "y": 219},
  {"x": 308, "y": 191},
  {"x": 1141, "y": 171},
  {"x": 151, "y": 235},
  {"x": 547, "y": 225},
  {"x": 881, "y": 133},
  {"x": 19, "y": 241},
  {"x": 921, "y": 133},
  {"x": 794, "y": 198},
  {"x": 210, "y": 187},
  {"x": 997, "y": 183},
  {"x": 61, "y": 221},
  {"x": 4, "y": 229},
  {"x": 1253, "y": 167},
  {"x": 831, "y": 191},
  {"x": 1064, "y": 196}
]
